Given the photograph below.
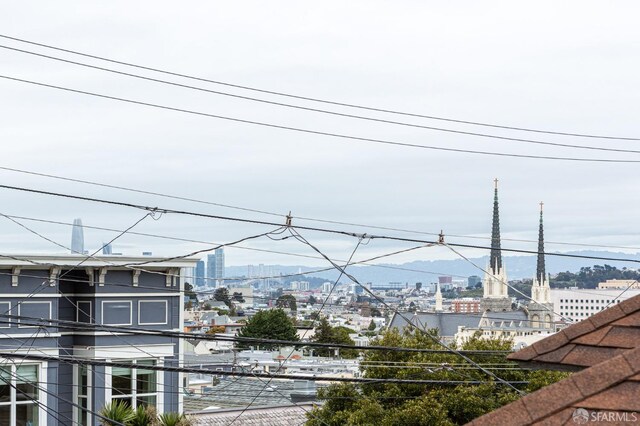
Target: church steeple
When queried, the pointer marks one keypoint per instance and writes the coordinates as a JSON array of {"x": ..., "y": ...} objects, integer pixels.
[
  {"x": 540, "y": 270},
  {"x": 495, "y": 295},
  {"x": 495, "y": 261}
]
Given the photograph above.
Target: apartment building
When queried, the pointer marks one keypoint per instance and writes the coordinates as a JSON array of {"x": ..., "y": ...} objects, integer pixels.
[{"x": 104, "y": 291}]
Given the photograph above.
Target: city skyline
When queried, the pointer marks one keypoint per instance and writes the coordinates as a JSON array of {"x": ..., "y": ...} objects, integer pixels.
[{"x": 487, "y": 78}]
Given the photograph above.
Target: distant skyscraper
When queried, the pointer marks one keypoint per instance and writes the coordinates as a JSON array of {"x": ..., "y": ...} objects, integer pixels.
[
  {"x": 77, "y": 237},
  {"x": 106, "y": 248},
  {"x": 199, "y": 273},
  {"x": 215, "y": 266}
]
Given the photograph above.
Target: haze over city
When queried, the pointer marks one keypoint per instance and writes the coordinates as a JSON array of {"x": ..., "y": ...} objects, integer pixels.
[{"x": 496, "y": 62}]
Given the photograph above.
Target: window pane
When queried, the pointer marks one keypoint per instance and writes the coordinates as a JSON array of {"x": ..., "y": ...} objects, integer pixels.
[
  {"x": 5, "y": 412},
  {"x": 116, "y": 313},
  {"x": 147, "y": 400},
  {"x": 26, "y": 415},
  {"x": 82, "y": 411},
  {"x": 5, "y": 387},
  {"x": 145, "y": 379},
  {"x": 82, "y": 380},
  {"x": 152, "y": 312},
  {"x": 121, "y": 381},
  {"x": 27, "y": 383}
]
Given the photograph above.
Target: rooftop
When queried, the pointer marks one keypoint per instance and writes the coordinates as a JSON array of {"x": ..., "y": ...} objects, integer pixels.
[{"x": 606, "y": 347}]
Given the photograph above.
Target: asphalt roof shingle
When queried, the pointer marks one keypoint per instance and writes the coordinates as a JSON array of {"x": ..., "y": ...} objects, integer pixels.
[{"x": 607, "y": 347}]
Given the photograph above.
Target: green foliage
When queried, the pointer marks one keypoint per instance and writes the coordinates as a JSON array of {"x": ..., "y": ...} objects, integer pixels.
[
  {"x": 372, "y": 325},
  {"x": 268, "y": 324},
  {"x": 412, "y": 404},
  {"x": 327, "y": 334},
  {"x": 188, "y": 291},
  {"x": 589, "y": 277},
  {"x": 287, "y": 301},
  {"x": 174, "y": 419},
  {"x": 144, "y": 416},
  {"x": 118, "y": 412},
  {"x": 222, "y": 295}
]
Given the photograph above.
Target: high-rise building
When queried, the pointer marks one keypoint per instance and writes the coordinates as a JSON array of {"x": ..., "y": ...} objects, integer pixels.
[
  {"x": 106, "y": 248},
  {"x": 77, "y": 237},
  {"x": 199, "y": 273},
  {"x": 215, "y": 267}
]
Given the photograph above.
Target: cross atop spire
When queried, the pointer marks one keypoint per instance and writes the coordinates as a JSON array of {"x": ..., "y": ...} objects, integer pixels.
[
  {"x": 540, "y": 270},
  {"x": 495, "y": 261}
]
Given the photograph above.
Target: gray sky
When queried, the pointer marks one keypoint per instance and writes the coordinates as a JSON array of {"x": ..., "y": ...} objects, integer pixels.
[{"x": 570, "y": 66}]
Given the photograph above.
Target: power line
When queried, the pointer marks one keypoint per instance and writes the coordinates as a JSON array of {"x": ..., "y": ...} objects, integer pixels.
[
  {"x": 319, "y": 132},
  {"x": 80, "y": 326},
  {"x": 308, "y": 228},
  {"x": 310, "y": 219},
  {"x": 322, "y": 111},
  {"x": 95, "y": 362},
  {"x": 306, "y": 98},
  {"x": 434, "y": 338}
]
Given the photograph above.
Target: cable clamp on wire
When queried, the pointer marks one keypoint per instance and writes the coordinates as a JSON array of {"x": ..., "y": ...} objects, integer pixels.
[
  {"x": 288, "y": 221},
  {"x": 441, "y": 237}
]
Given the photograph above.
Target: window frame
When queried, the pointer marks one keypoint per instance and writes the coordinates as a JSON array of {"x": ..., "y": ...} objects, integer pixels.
[
  {"x": 32, "y": 302},
  {"x": 91, "y": 321},
  {"x": 166, "y": 311},
  {"x": 102, "y": 322}
]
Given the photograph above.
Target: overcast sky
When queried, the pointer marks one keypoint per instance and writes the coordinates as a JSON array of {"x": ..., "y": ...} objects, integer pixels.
[{"x": 560, "y": 66}]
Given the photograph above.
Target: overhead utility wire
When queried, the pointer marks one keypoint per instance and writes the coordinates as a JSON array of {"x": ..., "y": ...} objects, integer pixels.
[
  {"x": 308, "y": 228},
  {"x": 310, "y": 219},
  {"x": 409, "y": 323},
  {"x": 95, "y": 362},
  {"x": 316, "y": 318},
  {"x": 78, "y": 326},
  {"x": 322, "y": 111},
  {"x": 306, "y": 98},
  {"x": 317, "y": 132}
]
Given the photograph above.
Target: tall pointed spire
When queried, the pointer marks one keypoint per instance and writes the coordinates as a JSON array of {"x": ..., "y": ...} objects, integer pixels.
[
  {"x": 495, "y": 262},
  {"x": 540, "y": 270}
]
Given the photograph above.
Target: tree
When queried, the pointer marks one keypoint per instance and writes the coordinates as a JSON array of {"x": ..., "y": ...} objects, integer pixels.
[
  {"x": 237, "y": 297},
  {"x": 268, "y": 324},
  {"x": 312, "y": 300},
  {"x": 414, "y": 404},
  {"x": 287, "y": 301},
  {"x": 206, "y": 307},
  {"x": 222, "y": 295},
  {"x": 372, "y": 325},
  {"x": 188, "y": 291},
  {"x": 324, "y": 333}
]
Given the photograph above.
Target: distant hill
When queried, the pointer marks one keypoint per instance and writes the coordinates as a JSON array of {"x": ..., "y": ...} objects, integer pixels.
[{"x": 427, "y": 271}]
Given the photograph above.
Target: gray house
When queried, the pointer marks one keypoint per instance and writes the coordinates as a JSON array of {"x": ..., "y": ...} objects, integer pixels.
[{"x": 105, "y": 291}]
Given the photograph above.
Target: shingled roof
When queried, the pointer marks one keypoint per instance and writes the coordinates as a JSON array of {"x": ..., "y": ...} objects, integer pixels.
[
  {"x": 601, "y": 337},
  {"x": 607, "y": 347}
]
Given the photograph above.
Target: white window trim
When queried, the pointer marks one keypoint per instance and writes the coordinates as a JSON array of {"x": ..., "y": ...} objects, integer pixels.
[
  {"x": 75, "y": 386},
  {"x": 27, "y": 303},
  {"x": 42, "y": 395},
  {"x": 117, "y": 301},
  {"x": 9, "y": 322},
  {"x": 108, "y": 383},
  {"x": 78, "y": 309},
  {"x": 166, "y": 312}
]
